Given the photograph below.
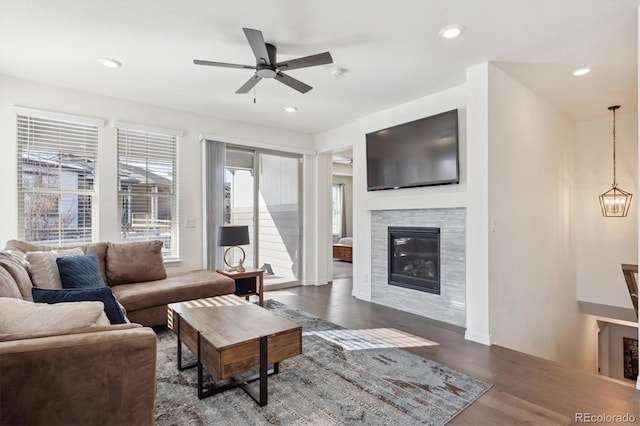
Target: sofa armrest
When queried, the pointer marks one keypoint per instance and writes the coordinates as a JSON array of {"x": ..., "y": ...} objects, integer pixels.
[{"x": 93, "y": 377}]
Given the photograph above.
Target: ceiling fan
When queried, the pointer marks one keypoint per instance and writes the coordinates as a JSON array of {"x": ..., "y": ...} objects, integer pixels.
[{"x": 266, "y": 65}]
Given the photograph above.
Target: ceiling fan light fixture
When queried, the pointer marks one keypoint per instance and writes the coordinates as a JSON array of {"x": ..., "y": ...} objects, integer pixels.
[
  {"x": 110, "y": 62},
  {"x": 581, "y": 71},
  {"x": 266, "y": 72},
  {"x": 451, "y": 31},
  {"x": 290, "y": 108},
  {"x": 267, "y": 65}
]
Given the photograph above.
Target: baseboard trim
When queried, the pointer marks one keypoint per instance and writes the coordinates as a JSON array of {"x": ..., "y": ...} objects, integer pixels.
[
  {"x": 318, "y": 282},
  {"x": 361, "y": 296},
  {"x": 482, "y": 338}
]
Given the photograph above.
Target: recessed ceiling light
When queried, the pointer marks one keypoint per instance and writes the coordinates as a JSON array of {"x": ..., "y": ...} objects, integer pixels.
[
  {"x": 337, "y": 71},
  {"x": 581, "y": 71},
  {"x": 110, "y": 63},
  {"x": 290, "y": 108},
  {"x": 451, "y": 31}
]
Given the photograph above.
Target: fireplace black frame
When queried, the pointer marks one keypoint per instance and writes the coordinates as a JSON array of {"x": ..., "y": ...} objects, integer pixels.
[{"x": 401, "y": 280}]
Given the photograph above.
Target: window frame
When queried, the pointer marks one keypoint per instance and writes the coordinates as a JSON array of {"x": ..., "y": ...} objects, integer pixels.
[
  {"x": 43, "y": 140},
  {"x": 150, "y": 225},
  {"x": 337, "y": 225}
]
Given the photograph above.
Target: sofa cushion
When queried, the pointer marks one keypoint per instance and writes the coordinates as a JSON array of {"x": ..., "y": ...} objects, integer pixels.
[
  {"x": 20, "y": 316},
  {"x": 8, "y": 286},
  {"x": 14, "y": 266},
  {"x": 99, "y": 248},
  {"x": 43, "y": 268},
  {"x": 101, "y": 294},
  {"x": 177, "y": 288},
  {"x": 24, "y": 246},
  {"x": 134, "y": 262},
  {"x": 91, "y": 329},
  {"x": 80, "y": 271}
]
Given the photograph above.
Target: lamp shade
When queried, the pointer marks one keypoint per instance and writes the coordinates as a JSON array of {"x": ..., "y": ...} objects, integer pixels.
[{"x": 233, "y": 235}]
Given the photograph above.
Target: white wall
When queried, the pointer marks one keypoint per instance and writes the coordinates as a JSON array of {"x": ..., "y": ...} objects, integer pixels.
[
  {"x": 602, "y": 243},
  {"x": 519, "y": 176},
  {"x": 35, "y": 95},
  {"x": 531, "y": 244},
  {"x": 478, "y": 199},
  {"x": 317, "y": 219},
  {"x": 444, "y": 196}
]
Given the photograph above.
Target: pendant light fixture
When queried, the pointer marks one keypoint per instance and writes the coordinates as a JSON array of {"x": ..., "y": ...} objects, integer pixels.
[{"x": 615, "y": 202}]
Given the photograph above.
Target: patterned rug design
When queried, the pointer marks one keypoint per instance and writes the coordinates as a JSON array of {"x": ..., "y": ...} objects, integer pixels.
[{"x": 326, "y": 385}]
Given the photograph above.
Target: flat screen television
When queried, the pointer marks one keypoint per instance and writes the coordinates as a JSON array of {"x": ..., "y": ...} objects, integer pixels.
[{"x": 423, "y": 152}]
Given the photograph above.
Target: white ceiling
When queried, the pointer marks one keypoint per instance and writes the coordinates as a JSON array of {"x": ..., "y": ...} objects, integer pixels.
[{"x": 390, "y": 48}]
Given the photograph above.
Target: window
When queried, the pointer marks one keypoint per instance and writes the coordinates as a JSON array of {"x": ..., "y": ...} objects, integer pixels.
[
  {"x": 336, "y": 203},
  {"x": 147, "y": 187},
  {"x": 57, "y": 161}
]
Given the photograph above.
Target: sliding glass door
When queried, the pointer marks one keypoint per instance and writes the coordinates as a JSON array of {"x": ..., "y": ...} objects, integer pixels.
[{"x": 262, "y": 190}]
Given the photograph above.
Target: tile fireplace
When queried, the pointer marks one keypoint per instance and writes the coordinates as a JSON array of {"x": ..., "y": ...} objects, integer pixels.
[{"x": 446, "y": 305}]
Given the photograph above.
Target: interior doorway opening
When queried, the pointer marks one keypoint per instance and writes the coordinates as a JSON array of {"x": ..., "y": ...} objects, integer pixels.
[{"x": 341, "y": 213}]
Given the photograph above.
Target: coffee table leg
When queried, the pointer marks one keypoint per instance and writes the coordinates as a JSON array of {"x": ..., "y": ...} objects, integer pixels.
[
  {"x": 263, "y": 371},
  {"x": 179, "y": 354},
  {"x": 200, "y": 390},
  {"x": 261, "y": 397}
]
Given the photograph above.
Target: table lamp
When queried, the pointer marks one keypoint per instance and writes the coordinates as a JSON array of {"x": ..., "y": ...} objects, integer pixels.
[{"x": 233, "y": 236}]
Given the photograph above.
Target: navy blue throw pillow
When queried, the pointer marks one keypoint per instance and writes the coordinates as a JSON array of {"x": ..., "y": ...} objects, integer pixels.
[
  {"x": 100, "y": 294},
  {"x": 80, "y": 271}
]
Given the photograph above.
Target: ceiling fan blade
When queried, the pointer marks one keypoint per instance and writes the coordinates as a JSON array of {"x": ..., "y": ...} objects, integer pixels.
[
  {"x": 249, "y": 84},
  {"x": 293, "y": 83},
  {"x": 259, "y": 47},
  {"x": 307, "y": 61},
  {"x": 222, "y": 64}
]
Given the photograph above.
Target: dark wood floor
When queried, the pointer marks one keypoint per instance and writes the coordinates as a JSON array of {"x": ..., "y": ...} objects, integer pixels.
[{"x": 526, "y": 389}]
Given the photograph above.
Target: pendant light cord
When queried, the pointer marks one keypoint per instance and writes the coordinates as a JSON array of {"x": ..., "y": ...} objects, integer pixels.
[{"x": 614, "y": 148}]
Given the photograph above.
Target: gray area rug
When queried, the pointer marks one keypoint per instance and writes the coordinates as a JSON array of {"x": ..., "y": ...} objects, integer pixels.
[{"x": 331, "y": 383}]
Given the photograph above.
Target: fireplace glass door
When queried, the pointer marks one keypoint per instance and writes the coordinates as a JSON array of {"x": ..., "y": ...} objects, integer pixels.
[{"x": 414, "y": 258}]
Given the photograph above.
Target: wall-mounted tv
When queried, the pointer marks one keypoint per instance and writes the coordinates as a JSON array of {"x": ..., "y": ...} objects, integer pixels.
[{"x": 423, "y": 152}]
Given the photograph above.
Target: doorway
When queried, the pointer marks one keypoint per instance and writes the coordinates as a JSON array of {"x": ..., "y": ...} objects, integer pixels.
[{"x": 341, "y": 209}]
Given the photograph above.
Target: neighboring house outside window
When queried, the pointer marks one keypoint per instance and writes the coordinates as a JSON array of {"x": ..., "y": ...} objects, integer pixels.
[
  {"x": 57, "y": 163},
  {"x": 147, "y": 187}
]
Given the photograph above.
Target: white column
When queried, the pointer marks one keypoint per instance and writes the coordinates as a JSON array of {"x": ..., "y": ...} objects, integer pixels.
[{"x": 477, "y": 286}]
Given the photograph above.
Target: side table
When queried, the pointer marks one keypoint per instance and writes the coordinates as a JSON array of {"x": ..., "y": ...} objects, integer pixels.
[{"x": 248, "y": 283}]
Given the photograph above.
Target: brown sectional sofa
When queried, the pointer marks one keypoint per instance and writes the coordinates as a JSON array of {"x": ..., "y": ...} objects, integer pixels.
[
  {"x": 137, "y": 277},
  {"x": 89, "y": 376},
  {"x": 94, "y": 375}
]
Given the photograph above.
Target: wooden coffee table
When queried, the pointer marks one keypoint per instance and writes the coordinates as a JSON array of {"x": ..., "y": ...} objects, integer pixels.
[{"x": 232, "y": 337}]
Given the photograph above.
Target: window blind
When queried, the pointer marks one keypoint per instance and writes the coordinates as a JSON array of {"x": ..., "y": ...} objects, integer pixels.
[
  {"x": 147, "y": 187},
  {"x": 57, "y": 196}
]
